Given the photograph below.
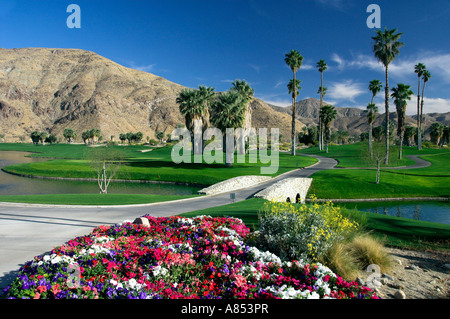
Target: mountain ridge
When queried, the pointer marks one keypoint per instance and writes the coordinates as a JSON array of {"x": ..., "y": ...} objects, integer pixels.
[
  {"x": 52, "y": 89},
  {"x": 354, "y": 120}
]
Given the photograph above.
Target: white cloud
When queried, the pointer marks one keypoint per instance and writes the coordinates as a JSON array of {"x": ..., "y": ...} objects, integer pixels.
[
  {"x": 346, "y": 90},
  {"x": 338, "y": 4},
  {"x": 430, "y": 105},
  {"x": 307, "y": 67},
  {"x": 275, "y": 99},
  {"x": 279, "y": 83},
  {"x": 145, "y": 68},
  {"x": 257, "y": 68},
  {"x": 437, "y": 63}
]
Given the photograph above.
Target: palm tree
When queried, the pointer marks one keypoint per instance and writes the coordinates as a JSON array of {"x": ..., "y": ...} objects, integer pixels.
[
  {"x": 294, "y": 88},
  {"x": 386, "y": 48},
  {"x": 294, "y": 60},
  {"x": 246, "y": 92},
  {"x": 375, "y": 86},
  {"x": 401, "y": 94},
  {"x": 372, "y": 109},
  {"x": 328, "y": 114},
  {"x": 228, "y": 112},
  {"x": 436, "y": 133},
  {"x": 244, "y": 89},
  {"x": 426, "y": 75},
  {"x": 419, "y": 68},
  {"x": 446, "y": 135},
  {"x": 410, "y": 133},
  {"x": 322, "y": 91},
  {"x": 194, "y": 105},
  {"x": 322, "y": 66}
]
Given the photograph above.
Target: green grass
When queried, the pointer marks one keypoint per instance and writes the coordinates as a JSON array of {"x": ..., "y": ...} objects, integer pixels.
[
  {"x": 66, "y": 151},
  {"x": 359, "y": 184},
  {"x": 432, "y": 181},
  {"x": 395, "y": 231},
  {"x": 354, "y": 155},
  {"x": 91, "y": 199},
  {"x": 156, "y": 165}
]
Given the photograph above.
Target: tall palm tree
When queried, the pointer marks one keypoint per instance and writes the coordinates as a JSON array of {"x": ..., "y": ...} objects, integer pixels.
[
  {"x": 322, "y": 66},
  {"x": 401, "y": 94},
  {"x": 328, "y": 114},
  {"x": 386, "y": 48},
  {"x": 426, "y": 75},
  {"x": 419, "y": 68},
  {"x": 372, "y": 109},
  {"x": 228, "y": 112},
  {"x": 294, "y": 60},
  {"x": 294, "y": 88}
]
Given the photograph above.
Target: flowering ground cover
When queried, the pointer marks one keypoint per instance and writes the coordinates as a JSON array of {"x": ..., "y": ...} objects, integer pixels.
[{"x": 174, "y": 258}]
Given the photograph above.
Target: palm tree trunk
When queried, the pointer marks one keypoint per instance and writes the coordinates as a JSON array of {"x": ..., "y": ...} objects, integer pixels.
[
  {"x": 401, "y": 146},
  {"x": 419, "y": 142},
  {"x": 419, "y": 137},
  {"x": 321, "y": 104},
  {"x": 370, "y": 140},
  {"x": 293, "y": 118},
  {"x": 386, "y": 97}
]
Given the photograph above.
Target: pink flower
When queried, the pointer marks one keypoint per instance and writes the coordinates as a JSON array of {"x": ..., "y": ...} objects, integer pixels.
[{"x": 240, "y": 280}]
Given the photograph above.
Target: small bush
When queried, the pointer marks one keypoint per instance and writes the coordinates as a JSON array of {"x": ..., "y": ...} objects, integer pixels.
[
  {"x": 295, "y": 231},
  {"x": 351, "y": 258},
  {"x": 339, "y": 259},
  {"x": 367, "y": 250}
]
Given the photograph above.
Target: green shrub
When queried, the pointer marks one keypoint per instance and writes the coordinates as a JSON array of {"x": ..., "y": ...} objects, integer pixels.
[{"x": 294, "y": 231}]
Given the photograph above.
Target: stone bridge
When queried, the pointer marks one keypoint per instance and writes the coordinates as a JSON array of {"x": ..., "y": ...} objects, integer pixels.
[{"x": 287, "y": 190}]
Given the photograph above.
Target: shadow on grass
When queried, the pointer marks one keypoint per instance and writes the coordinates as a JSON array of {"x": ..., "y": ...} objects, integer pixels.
[{"x": 414, "y": 234}]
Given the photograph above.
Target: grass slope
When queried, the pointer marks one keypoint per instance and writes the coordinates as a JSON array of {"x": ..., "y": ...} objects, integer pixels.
[
  {"x": 155, "y": 165},
  {"x": 432, "y": 181}
]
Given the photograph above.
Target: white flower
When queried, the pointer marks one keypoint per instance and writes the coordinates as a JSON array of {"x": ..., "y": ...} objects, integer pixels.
[
  {"x": 158, "y": 270},
  {"x": 132, "y": 283},
  {"x": 314, "y": 295}
]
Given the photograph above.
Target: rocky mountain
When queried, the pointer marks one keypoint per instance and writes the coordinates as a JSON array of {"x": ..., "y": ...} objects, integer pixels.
[
  {"x": 53, "y": 89},
  {"x": 354, "y": 120}
]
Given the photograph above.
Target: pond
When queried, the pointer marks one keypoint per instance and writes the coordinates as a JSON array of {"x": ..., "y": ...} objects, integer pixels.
[
  {"x": 17, "y": 185},
  {"x": 431, "y": 211}
]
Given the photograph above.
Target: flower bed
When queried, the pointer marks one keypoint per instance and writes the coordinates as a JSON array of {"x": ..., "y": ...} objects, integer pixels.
[{"x": 175, "y": 257}]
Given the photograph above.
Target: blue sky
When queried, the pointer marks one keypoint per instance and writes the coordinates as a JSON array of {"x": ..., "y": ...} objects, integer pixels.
[{"x": 213, "y": 42}]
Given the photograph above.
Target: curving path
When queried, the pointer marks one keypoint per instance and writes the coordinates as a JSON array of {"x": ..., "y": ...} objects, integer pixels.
[{"x": 28, "y": 230}]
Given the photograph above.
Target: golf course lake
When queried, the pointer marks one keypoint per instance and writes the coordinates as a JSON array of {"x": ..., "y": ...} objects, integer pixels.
[
  {"x": 17, "y": 185},
  {"x": 431, "y": 211}
]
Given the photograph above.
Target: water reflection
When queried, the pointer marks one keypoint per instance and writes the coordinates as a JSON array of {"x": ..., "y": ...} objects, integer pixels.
[
  {"x": 432, "y": 211},
  {"x": 17, "y": 185}
]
